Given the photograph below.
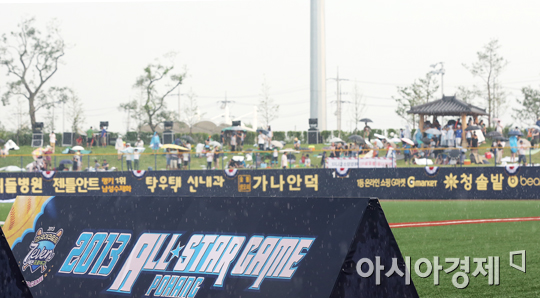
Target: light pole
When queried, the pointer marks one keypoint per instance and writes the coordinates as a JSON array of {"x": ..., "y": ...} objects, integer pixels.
[
  {"x": 441, "y": 72},
  {"x": 339, "y": 101}
]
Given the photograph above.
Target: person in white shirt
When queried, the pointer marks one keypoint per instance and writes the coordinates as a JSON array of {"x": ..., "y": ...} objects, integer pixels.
[
  {"x": 284, "y": 161},
  {"x": 186, "y": 156},
  {"x": 499, "y": 128},
  {"x": 261, "y": 141},
  {"x": 233, "y": 142},
  {"x": 136, "y": 155},
  {"x": 275, "y": 157},
  {"x": 139, "y": 143},
  {"x": 52, "y": 139},
  {"x": 209, "y": 159},
  {"x": 450, "y": 137},
  {"x": 129, "y": 159},
  {"x": 119, "y": 146},
  {"x": 308, "y": 161}
]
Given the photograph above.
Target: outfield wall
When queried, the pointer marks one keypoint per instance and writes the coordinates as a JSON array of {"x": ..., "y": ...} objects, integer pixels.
[{"x": 398, "y": 183}]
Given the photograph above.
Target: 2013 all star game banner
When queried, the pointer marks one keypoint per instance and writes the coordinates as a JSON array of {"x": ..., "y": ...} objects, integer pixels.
[{"x": 150, "y": 246}]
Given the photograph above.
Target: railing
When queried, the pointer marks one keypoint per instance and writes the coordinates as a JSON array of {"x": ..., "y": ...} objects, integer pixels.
[{"x": 246, "y": 159}]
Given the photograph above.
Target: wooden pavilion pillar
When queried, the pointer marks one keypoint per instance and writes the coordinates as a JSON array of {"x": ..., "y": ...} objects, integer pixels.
[
  {"x": 421, "y": 123},
  {"x": 463, "y": 126}
]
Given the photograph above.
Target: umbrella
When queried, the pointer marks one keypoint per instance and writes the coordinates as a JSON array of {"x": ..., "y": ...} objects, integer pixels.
[
  {"x": 238, "y": 158},
  {"x": 426, "y": 140},
  {"x": 451, "y": 122},
  {"x": 277, "y": 144},
  {"x": 379, "y": 136},
  {"x": 188, "y": 138},
  {"x": 408, "y": 141},
  {"x": 336, "y": 140},
  {"x": 500, "y": 138},
  {"x": 357, "y": 139},
  {"x": 173, "y": 146},
  {"x": 264, "y": 131},
  {"x": 377, "y": 142},
  {"x": 12, "y": 169},
  {"x": 526, "y": 143},
  {"x": 368, "y": 143},
  {"x": 77, "y": 148},
  {"x": 532, "y": 126},
  {"x": 391, "y": 144},
  {"x": 473, "y": 127},
  {"x": 234, "y": 128},
  {"x": 493, "y": 134},
  {"x": 289, "y": 150},
  {"x": 395, "y": 140},
  {"x": 515, "y": 133},
  {"x": 433, "y": 131},
  {"x": 365, "y": 120},
  {"x": 215, "y": 144},
  {"x": 66, "y": 161}
]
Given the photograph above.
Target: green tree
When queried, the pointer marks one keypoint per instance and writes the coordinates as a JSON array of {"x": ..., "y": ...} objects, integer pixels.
[
  {"x": 31, "y": 58},
  {"x": 158, "y": 81},
  {"x": 191, "y": 111},
  {"x": 529, "y": 110},
  {"x": 467, "y": 95},
  {"x": 488, "y": 67},
  {"x": 419, "y": 92}
]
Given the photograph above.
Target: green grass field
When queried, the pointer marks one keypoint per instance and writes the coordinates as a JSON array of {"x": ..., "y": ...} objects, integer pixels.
[{"x": 473, "y": 240}]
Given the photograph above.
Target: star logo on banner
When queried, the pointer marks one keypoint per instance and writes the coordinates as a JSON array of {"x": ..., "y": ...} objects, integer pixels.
[
  {"x": 176, "y": 252},
  {"x": 451, "y": 181}
]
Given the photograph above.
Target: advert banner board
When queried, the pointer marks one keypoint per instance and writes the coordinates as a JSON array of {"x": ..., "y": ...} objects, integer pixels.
[
  {"x": 12, "y": 283},
  {"x": 398, "y": 183},
  {"x": 352, "y": 163},
  {"x": 142, "y": 246}
]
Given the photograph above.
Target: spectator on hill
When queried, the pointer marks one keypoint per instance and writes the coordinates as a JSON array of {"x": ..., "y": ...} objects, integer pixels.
[
  {"x": 308, "y": 161},
  {"x": 103, "y": 137},
  {"x": 136, "y": 156},
  {"x": 105, "y": 165},
  {"x": 521, "y": 150},
  {"x": 129, "y": 159},
  {"x": 119, "y": 146},
  {"x": 155, "y": 142},
  {"x": 90, "y": 137},
  {"x": 209, "y": 158},
  {"x": 459, "y": 133},
  {"x": 233, "y": 142},
  {"x": 52, "y": 139},
  {"x": 260, "y": 141},
  {"x": 284, "y": 161},
  {"x": 297, "y": 144},
  {"x": 97, "y": 166},
  {"x": 139, "y": 143}
]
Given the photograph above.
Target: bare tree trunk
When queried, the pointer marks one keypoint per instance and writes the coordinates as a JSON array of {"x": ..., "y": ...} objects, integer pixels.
[{"x": 32, "y": 111}]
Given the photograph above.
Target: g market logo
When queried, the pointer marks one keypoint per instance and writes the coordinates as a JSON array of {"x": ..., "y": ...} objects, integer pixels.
[{"x": 42, "y": 250}]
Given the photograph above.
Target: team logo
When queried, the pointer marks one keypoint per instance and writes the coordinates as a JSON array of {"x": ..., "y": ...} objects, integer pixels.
[
  {"x": 48, "y": 175},
  {"x": 511, "y": 170},
  {"x": 41, "y": 250},
  {"x": 231, "y": 173},
  {"x": 432, "y": 171},
  {"x": 342, "y": 172},
  {"x": 139, "y": 174}
]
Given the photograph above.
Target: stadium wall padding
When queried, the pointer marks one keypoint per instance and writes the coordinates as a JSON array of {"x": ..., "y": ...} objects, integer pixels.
[{"x": 399, "y": 183}]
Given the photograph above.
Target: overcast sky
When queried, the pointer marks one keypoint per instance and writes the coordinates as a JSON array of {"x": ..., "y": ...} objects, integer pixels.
[{"x": 228, "y": 48}]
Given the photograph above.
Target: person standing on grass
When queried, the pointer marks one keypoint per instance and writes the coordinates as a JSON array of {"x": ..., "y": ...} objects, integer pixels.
[
  {"x": 521, "y": 150},
  {"x": 52, "y": 139},
  {"x": 513, "y": 148},
  {"x": 308, "y": 161},
  {"x": 119, "y": 146},
  {"x": 139, "y": 143},
  {"x": 233, "y": 142},
  {"x": 90, "y": 137},
  {"x": 284, "y": 161},
  {"x": 103, "y": 137},
  {"x": 260, "y": 141},
  {"x": 209, "y": 159},
  {"x": 136, "y": 156},
  {"x": 407, "y": 153},
  {"x": 129, "y": 159},
  {"x": 155, "y": 142}
]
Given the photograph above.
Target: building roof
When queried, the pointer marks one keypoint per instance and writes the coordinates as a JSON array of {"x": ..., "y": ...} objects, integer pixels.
[{"x": 447, "y": 106}]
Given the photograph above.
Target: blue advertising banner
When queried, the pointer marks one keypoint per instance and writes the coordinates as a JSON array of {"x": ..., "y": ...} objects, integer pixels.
[
  {"x": 155, "y": 246},
  {"x": 399, "y": 183}
]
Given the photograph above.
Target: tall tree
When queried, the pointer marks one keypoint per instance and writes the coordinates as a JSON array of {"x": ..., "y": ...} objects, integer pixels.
[
  {"x": 75, "y": 111},
  {"x": 267, "y": 109},
  {"x": 488, "y": 67},
  {"x": 357, "y": 106},
  {"x": 419, "y": 92},
  {"x": 191, "y": 111},
  {"x": 31, "y": 58},
  {"x": 467, "y": 95},
  {"x": 529, "y": 109},
  {"x": 158, "y": 81}
]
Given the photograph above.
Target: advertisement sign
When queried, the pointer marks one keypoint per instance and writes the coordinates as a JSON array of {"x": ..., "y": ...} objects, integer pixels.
[
  {"x": 142, "y": 246},
  {"x": 354, "y": 163}
]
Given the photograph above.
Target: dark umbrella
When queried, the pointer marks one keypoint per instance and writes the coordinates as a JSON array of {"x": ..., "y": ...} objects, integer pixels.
[
  {"x": 365, "y": 120},
  {"x": 493, "y": 134},
  {"x": 263, "y": 131},
  {"x": 66, "y": 161},
  {"x": 188, "y": 138},
  {"x": 426, "y": 140},
  {"x": 451, "y": 122},
  {"x": 515, "y": 133},
  {"x": 500, "y": 138},
  {"x": 357, "y": 139},
  {"x": 473, "y": 127}
]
